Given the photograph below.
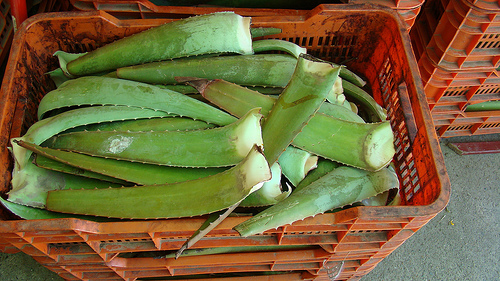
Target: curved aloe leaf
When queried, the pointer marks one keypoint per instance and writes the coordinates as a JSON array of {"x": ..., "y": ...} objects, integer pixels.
[
  {"x": 254, "y": 70},
  {"x": 131, "y": 172},
  {"x": 323, "y": 167},
  {"x": 266, "y": 45},
  {"x": 216, "y": 147},
  {"x": 54, "y": 165},
  {"x": 217, "y": 192},
  {"x": 340, "y": 187},
  {"x": 376, "y": 112},
  {"x": 215, "y": 33},
  {"x": 95, "y": 90}
]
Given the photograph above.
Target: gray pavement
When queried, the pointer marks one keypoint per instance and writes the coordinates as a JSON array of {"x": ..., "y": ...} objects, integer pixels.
[{"x": 460, "y": 243}]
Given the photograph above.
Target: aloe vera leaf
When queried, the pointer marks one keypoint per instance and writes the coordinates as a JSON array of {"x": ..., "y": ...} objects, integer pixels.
[
  {"x": 264, "y": 31},
  {"x": 224, "y": 32},
  {"x": 58, "y": 77},
  {"x": 135, "y": 172},
  {"x": 149, "y": 124},
  {"x": 484, "y": 106},
  {"x": 266, "y": 45},
  {"x": 216, "y": 192},
  {"x": 352, "y": 77},
  {"x": 271, "y": 191},
  {"x": 296, "y": 163},
  {"x": 376, "y": 112},
  {"x": 323, "y": 167},
  {"x": 30, "y": 213},
  {"x": 213, "y": 221},
  {"x": 311, "y": 82},
  {"x": 342, "y": 186},
  {"x": 54, "y": 165},
  {"x": 367, "y": 146},
  {"x": 94, "y": 90},
  {"x": 236, "y": 249},
  {"x": 215, "y": 147},
  {"x": 254, "y": 70}
]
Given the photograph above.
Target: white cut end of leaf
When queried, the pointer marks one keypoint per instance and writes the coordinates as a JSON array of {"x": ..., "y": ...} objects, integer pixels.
[
  {"x": 245, "y": 38},
  {"x": 379, "y": 146},
  {"x": 255, "y": 170},
  {"x": 249, "y": 132}
]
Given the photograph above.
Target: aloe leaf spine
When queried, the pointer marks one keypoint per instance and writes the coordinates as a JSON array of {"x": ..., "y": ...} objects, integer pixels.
[
  {"x": 217, "y": 192},
  {"x": 216, "y": 33}
]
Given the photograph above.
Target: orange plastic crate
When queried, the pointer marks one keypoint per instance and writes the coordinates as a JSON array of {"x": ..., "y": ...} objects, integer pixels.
[
  {"x": 360, "y": 236},
  {"x": 142, "y": 9},
  {"x": 451, "y": 122},
  {"x": 458, "y": 35}
]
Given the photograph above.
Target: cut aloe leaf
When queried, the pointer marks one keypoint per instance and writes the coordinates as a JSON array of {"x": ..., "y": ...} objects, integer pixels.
[
  {"x": 323, "y": 167},
  {"x": 148, "y": 124},
  {"x": 342, "y": 186},
  {"x": 217, "y": 192},
  {"x": 311, "y": 82},
  {"x": 271, "y": 191},
  {"x": 29, "y": 213},
  {"x": 216, "y": 147},
  {"x": 95, "y": 90},
  {"x": 296, "y": 163},
  {"x": 273, "y": 70},
  {"x": 216, "y": 33}
]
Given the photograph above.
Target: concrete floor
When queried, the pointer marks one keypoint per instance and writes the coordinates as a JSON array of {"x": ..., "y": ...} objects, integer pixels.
[{"x": 460, "y": 243}]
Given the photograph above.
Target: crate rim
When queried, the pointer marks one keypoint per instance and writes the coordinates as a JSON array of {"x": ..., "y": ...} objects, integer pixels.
[{"x": 412, "y": 211}]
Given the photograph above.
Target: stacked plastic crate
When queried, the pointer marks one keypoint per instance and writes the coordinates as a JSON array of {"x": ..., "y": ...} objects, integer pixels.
[{"x": 457, "y": 45}]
